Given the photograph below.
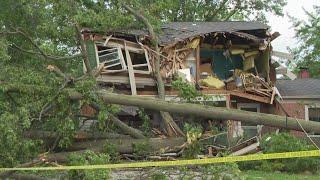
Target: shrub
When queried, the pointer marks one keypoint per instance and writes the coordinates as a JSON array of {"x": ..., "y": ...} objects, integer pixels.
[
  {"x": 284, "y": 142},
  {"x": 194, "y": 147},
  {"x": 89, "y": 158}
]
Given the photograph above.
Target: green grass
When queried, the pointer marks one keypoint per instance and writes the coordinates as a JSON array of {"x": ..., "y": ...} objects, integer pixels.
[{"x": 251, "y": 175}]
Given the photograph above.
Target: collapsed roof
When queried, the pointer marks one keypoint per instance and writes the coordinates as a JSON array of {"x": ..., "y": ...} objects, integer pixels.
[{"x": 179, "y": 31}]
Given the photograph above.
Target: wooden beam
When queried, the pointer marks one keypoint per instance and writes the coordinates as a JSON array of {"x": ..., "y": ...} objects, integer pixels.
[
  {"x": 274, "y": 36},
  {"x": 282, "y": 55},
  {"x": 282, "y": 70},
  {"x": 198, "y": 63},
  {"x": 131, "y": 73},
  {"x": 140, "y": 81}
]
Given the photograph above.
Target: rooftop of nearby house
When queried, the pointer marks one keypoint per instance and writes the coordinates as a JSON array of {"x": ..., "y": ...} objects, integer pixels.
[{"x": 299, "y": 88}]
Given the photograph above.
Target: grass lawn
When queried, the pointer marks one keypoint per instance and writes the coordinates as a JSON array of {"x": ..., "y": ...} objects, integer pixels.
[{"x": 276, "y": 175}]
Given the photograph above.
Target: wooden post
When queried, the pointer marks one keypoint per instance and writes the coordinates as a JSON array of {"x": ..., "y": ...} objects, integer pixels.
[
  {"x": 230, "y": 123},
  {"x": 198, "y": 63},
  {"x": 131, "y": 72}
]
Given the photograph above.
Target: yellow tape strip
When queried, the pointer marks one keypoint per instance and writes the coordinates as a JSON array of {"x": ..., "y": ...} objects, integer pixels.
[{"x": 297, "y": 154}]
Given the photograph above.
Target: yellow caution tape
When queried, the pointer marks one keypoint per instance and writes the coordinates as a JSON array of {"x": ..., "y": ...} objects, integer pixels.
[{"x": 254, "y": 157}]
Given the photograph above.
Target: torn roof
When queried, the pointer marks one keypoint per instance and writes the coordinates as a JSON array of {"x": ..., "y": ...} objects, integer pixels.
[
  {"x": 299, "y": 87},
  {"x": 178, "y": 31}
]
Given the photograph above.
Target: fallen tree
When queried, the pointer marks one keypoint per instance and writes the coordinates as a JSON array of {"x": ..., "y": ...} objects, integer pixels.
[
  {"x": 79, "y": 136},
  {"x": 171, "y": 126},
  {"x": 216, "y": 113},
  {"x": 123, "y": 146}
]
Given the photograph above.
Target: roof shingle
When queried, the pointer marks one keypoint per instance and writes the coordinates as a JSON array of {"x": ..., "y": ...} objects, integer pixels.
[
  {"x": 299, "y": 87},
  {"x": 177, "y": 31}
]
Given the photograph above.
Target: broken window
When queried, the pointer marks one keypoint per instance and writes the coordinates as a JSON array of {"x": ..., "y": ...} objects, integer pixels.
[
  {"x": 111, "y": 58},
  {"x": 114, "y": 54}
]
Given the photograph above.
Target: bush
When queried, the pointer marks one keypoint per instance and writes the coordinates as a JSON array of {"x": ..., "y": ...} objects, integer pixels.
[
  {"x": 89, "y": 158},
  {"x": 194, "y": 147},
  {"x": 283, "y": 142},
  {"x": 223, "y": 171}
]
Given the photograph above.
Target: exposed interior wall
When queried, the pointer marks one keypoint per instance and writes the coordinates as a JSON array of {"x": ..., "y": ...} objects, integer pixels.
[
  {"x": 262, "y": 63},
  {"x": 221, "y": 65}
]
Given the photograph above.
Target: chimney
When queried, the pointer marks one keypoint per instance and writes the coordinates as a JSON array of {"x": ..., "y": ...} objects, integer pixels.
[{"x": 304, "y": 73}]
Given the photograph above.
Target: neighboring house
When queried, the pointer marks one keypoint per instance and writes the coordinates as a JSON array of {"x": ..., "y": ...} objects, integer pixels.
[
  {"x": 300, "y": 98},
  {"x": 228, "y": 61}
]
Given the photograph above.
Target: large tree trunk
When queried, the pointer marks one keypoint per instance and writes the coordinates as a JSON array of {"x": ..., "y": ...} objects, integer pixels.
[
  {"x": 216, "y": 113},
  {"x": 168, "y": 121},
  {"x": 127, "y": 129},
  {"x": 123, "y": 146},
  {"x": 79, "y": 136},
  {"x": 123, "y": 126}
]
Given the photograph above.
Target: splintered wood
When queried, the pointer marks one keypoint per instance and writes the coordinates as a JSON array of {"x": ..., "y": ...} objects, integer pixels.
[
  {"x": 175, "y": 60},
  {"x": 256, "y": 85}
]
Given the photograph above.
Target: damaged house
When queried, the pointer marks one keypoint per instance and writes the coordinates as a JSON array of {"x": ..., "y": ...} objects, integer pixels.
[{"x": 230, "y": 62}]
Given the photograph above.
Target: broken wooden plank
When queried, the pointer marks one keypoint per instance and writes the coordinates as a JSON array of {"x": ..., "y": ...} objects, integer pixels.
[
  {"x": 140, "y": 81},
  {"x": 131, "y": 73},
  {"x": 247, "y": 150},
  {"x": 273, "y": 95},
  {"x": 198, "y": 64},
  {"x": 107, "y": 40},
  {"x": 283, "y": 55}
]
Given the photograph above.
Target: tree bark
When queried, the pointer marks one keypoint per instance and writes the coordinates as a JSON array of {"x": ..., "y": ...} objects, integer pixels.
[
  {"x": 79, "y": 136},
  {"x": 127, "y": 129},
  {"x": 123, "y": 146},
  {"x": 168, "y": 121},
  {"x": 123, "y": 126},
  {"x": 216, "y": 113},
  {"x": 84, "y": 52}
]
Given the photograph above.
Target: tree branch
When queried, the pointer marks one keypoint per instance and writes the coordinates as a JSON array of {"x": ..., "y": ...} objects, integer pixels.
[
  {"x": 171, "y": 126},
  {"x": 83, "y": 49},
  {"x": 46, "y": 56},
  {"x": 34, "y": 44}
]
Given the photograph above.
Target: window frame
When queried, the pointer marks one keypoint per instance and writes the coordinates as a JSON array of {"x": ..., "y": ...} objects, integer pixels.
[{"x": 306, "y": 110}]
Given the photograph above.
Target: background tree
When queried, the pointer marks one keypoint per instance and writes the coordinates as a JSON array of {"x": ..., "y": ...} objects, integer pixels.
[
  {"x": 307, "y": 54},
  {"x": 212, "y": 10}
]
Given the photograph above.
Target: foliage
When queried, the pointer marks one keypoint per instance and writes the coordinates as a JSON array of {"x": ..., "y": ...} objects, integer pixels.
[
  {"x": 223, "y": 171},
  {"x": 111, "y": 149},
  {"x": 194, "y": 147},
  {"x": 284, "y": 142},
  {"x": 89, "y": 158},
  {"x": 158, "y": 176},
  {"x": 187, "y": 91},
  {"x": 199, "y": 10},
  {"x": 19, "y": 151},
  {"x": 307, "y": 54},
  {"x": 141, "y": 148},
  {"x": 252, "y": 175},
  {"x": 146, "y": 122}
]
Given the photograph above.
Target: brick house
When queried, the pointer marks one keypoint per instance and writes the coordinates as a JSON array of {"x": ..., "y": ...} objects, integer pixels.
[{"x": 300, "y": 98}]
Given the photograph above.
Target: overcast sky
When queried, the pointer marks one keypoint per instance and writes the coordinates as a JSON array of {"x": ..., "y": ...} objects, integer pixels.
[{"x": 283, "y": 24}]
